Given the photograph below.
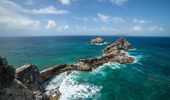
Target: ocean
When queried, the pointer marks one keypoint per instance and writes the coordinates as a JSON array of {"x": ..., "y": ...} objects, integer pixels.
[{"x": 146, "y": 79}]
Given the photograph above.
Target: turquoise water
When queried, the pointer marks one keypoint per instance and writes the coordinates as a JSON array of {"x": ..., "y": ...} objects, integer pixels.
[{"x": 147, "y": 79}]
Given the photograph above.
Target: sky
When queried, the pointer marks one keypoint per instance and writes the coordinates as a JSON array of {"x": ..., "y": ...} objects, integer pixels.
[{"x": 84, "y": 17}]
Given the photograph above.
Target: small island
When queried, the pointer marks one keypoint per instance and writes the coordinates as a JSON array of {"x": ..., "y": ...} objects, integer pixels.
[
  {"x": 26, "y": 82},
  {"x": 97, "y": 41}
]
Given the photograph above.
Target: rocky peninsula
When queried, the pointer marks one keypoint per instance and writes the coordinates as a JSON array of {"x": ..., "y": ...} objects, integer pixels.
[{"x": 26, "y": 82}]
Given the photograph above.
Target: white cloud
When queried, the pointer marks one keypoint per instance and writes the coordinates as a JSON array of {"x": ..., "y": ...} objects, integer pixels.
[
  {"x": 118, "y": 20},
  {"x": 62, "y": 28},
  {"x": 37, "y": 25},
  {"x": 51, "y": 24},
  {"x": 140, "y": 21},
  {"x": 29, "y": 2},
  {"x": 118, "y": 2},
  {"x": 12, "y": 17},
  {"x": 114, "y": 19},
  {"x": 156, "y": 29},
  {"x": 49, "y": 10},
  {"x": 65, "y": 2},
  {"x": 137, "y": 28},
  {"x": 103, "y": 17}
]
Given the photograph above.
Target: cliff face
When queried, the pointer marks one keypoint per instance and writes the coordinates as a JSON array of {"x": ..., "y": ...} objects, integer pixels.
[
  {"x": 10, "y": 88},
  {"x": 30, "y": 76}
]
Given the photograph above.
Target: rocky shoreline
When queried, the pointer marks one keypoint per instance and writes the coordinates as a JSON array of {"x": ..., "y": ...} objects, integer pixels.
[{"x": 26, "y": 82}]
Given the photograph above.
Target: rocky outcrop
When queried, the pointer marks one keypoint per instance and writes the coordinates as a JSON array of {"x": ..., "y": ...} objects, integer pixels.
[
  {"x": 54, "y": 94},
  {"x": 25, "y": 83},
  {"x": 11, "y": 88},
  {"x": 112, "y": 53},
  {"x": 117, "y": 46},
  {"x": 30, "y": 76},
  {"x": 97, "y": 41},
  {"x": 7, "y": 73},
  {"x": 51, "y": 72}
]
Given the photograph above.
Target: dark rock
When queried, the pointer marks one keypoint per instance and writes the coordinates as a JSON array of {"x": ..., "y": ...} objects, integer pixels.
[
  {"x": 54, "y": 94},
  {"x": 11, "y": 88},
  {"x": 7, "y": 73},
  {"x": 30, "y": 76}
]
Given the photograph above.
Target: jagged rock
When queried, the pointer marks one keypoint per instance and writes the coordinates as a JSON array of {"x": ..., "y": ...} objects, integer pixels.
[
  {"x": 51, "y": 72},
  {"x": 97, "y": 41},
  {"x": 17, "y": 91},
  {"x": 27, "y": 84},
  {"x": 54, "y": 94},
  {"x": 7, "y": 73},
  {"x": 120, "y": 44},
  {"x": 112, "y": 53},
  {"x": 30, "y": 76},
  {"x": 11, "y": 88}
]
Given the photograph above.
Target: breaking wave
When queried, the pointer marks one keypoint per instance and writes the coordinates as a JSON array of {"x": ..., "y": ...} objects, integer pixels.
[{"x": 71, "y": 89}]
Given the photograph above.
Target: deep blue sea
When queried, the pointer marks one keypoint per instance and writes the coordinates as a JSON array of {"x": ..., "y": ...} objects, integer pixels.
[{"x": 146, "y": 79}]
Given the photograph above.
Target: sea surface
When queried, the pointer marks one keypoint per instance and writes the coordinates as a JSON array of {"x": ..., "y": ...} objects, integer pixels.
[{"x": 146, "y": 79}]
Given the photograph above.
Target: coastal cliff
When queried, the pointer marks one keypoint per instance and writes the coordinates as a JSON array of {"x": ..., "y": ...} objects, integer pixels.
[{"x": 26, "y": 82}]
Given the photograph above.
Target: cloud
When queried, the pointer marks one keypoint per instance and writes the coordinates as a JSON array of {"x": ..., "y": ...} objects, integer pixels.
[
  {"x": 49, "y": 10},
  {"x": 115, "y": 19},
  {"x": 65, "y": 2},
  {"x": 11, "y": 17},
  {"x": 118, "y": 2},
  {"x": 62, "y": 28},
  {"x": 156, "y": 29},
  {"x": 137, "y": 28},
  {"x": 29, "y": 2},
  {"x": 103, "y": 17},
  {"x": 51, "y": 24},
  {"x": 140, "y": 21},
  {"x": 118, "y": 20}
]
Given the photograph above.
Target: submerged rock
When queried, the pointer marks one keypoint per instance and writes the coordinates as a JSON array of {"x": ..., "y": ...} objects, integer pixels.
[{"x": 97, "y": 41}]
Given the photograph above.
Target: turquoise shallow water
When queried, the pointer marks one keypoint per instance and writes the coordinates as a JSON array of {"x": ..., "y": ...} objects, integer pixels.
[{"x": 147, "y": 79}]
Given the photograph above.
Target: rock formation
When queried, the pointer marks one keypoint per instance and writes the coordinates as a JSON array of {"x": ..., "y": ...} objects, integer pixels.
[
  {"x": 25, "y": 83},
  {"x": 112, "y": 53},
  {"x": 29, "y": 75},
  {"x": 11, "y": 88},
  {"x": 97, "y": 41}
]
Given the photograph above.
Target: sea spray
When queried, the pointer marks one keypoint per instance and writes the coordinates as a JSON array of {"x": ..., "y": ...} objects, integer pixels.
[
  {"x": 71, "y": 89},
  {"x": 55, "y": 82}
]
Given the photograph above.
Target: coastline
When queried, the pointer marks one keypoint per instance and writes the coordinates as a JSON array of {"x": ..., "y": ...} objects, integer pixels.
[{"x": 112, "y": 53}]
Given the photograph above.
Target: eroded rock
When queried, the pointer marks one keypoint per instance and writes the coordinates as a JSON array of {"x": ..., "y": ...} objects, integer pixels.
[
  {"x": 30, "y": 76},
  {"x": 97, "y": 41}
]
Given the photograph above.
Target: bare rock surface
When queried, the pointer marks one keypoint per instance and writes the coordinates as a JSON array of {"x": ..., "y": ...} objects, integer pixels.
[{"x": 97, "y": 41}]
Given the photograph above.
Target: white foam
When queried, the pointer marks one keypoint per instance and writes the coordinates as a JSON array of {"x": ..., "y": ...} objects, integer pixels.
[
  {"x": 133, "y": 56},
  {"x": 132, "y": 49},
  {"x": 55, "y": 82},
  {"x": 70, "y": 89},
  {"x": 102, "y": 43}
]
